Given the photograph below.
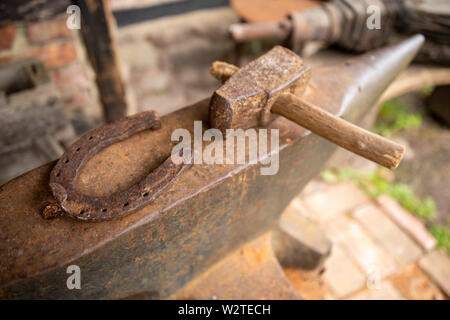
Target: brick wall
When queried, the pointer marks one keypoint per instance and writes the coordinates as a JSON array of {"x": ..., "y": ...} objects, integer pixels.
[{"x": 62, "y": 52}]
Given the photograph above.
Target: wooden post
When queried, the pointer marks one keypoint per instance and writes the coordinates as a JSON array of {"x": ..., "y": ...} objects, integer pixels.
[{"x": 96, "y": 28}]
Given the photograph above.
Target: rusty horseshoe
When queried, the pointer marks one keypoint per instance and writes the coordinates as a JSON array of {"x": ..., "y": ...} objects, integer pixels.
[{"x": 89, "y": 208}]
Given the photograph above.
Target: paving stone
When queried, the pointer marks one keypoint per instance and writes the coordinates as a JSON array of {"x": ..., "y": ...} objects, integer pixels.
[
  {"x": 414, "y": 284},
  {"x": 335, "y": 200},
  {"x": 437, "y": 265},
  {"x": 389, "y": 235},
  {"x": 299, "y": 243},
  {"x": 386, "y": 292},
  {"x": 341, "y": 274},
  {"x": 301, "y": 208},
  {"x": 407, "y": 222},
  {"x": 368, "y": 255}
]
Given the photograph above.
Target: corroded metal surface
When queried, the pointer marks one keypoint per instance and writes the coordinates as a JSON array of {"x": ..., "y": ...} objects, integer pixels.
[
  {"x": 246, "y": 98},
  {"x": 93, "y": 208},
  {"x": 205, "y": 213}
]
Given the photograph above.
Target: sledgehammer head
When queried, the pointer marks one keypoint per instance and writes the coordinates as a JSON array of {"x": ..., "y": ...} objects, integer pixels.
[{"x": 246, "y": 98}]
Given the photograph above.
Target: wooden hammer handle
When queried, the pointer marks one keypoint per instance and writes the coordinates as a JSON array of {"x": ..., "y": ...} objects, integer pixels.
[{"x": 345, "y": 134}]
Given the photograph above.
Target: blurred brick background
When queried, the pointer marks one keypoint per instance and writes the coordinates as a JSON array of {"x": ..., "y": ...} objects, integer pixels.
[
  {"x": 62, "y": 52},
  {"x": 164, "y": 62}
]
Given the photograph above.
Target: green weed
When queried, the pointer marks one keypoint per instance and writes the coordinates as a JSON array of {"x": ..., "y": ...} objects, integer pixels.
[
  {"x": 442, "y": 236},
  {"x": 394, "y": 117}
]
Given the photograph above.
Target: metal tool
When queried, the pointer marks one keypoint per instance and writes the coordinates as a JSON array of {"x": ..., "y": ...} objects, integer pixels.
[{"x": 273, "y": 83}]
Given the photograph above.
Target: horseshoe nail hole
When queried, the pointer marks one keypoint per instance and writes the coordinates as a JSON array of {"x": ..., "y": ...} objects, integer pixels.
[
  {"x": 104, "y": 210},
  {"x": 145, "y": 194},
  {"x": 91, "y": 137},
  {"x": 82, "y": 212},
  {"x": 67, "y": 161},
  {"x": 58, "y": 174},
  {"x": 126, "y": 204},
  {"x": 78, "y": 149}
]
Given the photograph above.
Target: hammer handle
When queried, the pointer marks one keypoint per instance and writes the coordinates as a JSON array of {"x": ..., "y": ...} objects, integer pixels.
[{"x": 345, "y": 134}]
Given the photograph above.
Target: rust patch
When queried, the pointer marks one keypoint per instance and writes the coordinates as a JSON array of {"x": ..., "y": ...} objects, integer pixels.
[{"x": 51, "y": 210}]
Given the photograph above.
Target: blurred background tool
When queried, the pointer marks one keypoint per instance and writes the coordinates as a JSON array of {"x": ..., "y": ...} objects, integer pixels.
[{"x": 355, "y": 25}]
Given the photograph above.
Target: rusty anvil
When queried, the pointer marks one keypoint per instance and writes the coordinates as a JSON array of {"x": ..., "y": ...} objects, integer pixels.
[{"x": 195, "y": 218}]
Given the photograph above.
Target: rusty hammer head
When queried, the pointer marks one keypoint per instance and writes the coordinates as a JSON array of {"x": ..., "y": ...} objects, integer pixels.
[{"x": 246, "y": 98}]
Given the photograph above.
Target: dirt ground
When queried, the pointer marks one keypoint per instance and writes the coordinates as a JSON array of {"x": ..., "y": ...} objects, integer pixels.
[{"x": 426, "y": 166}]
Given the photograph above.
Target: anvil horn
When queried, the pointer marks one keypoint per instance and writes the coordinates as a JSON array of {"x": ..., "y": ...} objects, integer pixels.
[{"x": 363, "y": 79}]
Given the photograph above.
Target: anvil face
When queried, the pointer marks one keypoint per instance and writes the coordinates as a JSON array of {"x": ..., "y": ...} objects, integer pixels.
[{"x": 245, "y": 100}]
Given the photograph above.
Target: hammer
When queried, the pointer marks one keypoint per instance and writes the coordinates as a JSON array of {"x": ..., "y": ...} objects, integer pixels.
[{"x": 272, "y": 84}]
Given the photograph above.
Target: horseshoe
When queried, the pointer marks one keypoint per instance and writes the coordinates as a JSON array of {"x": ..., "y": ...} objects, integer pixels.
[{"x": 121, "y": 203}]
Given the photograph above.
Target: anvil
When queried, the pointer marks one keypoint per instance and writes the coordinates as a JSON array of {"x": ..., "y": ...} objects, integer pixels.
[{"x": 205, "y": 215}]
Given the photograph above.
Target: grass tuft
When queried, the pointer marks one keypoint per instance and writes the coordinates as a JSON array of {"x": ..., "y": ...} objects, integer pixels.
[
  {"x": 394, "y": 117},
  {"x": 442, "y": 235}
]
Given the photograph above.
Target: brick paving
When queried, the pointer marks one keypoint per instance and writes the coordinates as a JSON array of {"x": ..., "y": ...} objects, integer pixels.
[
  {"x": 342, "y": 275},
  {"x": 437, "y": 265},
  {"x": 379, "y": 250},
  {"x": 387, "y": 234}
]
